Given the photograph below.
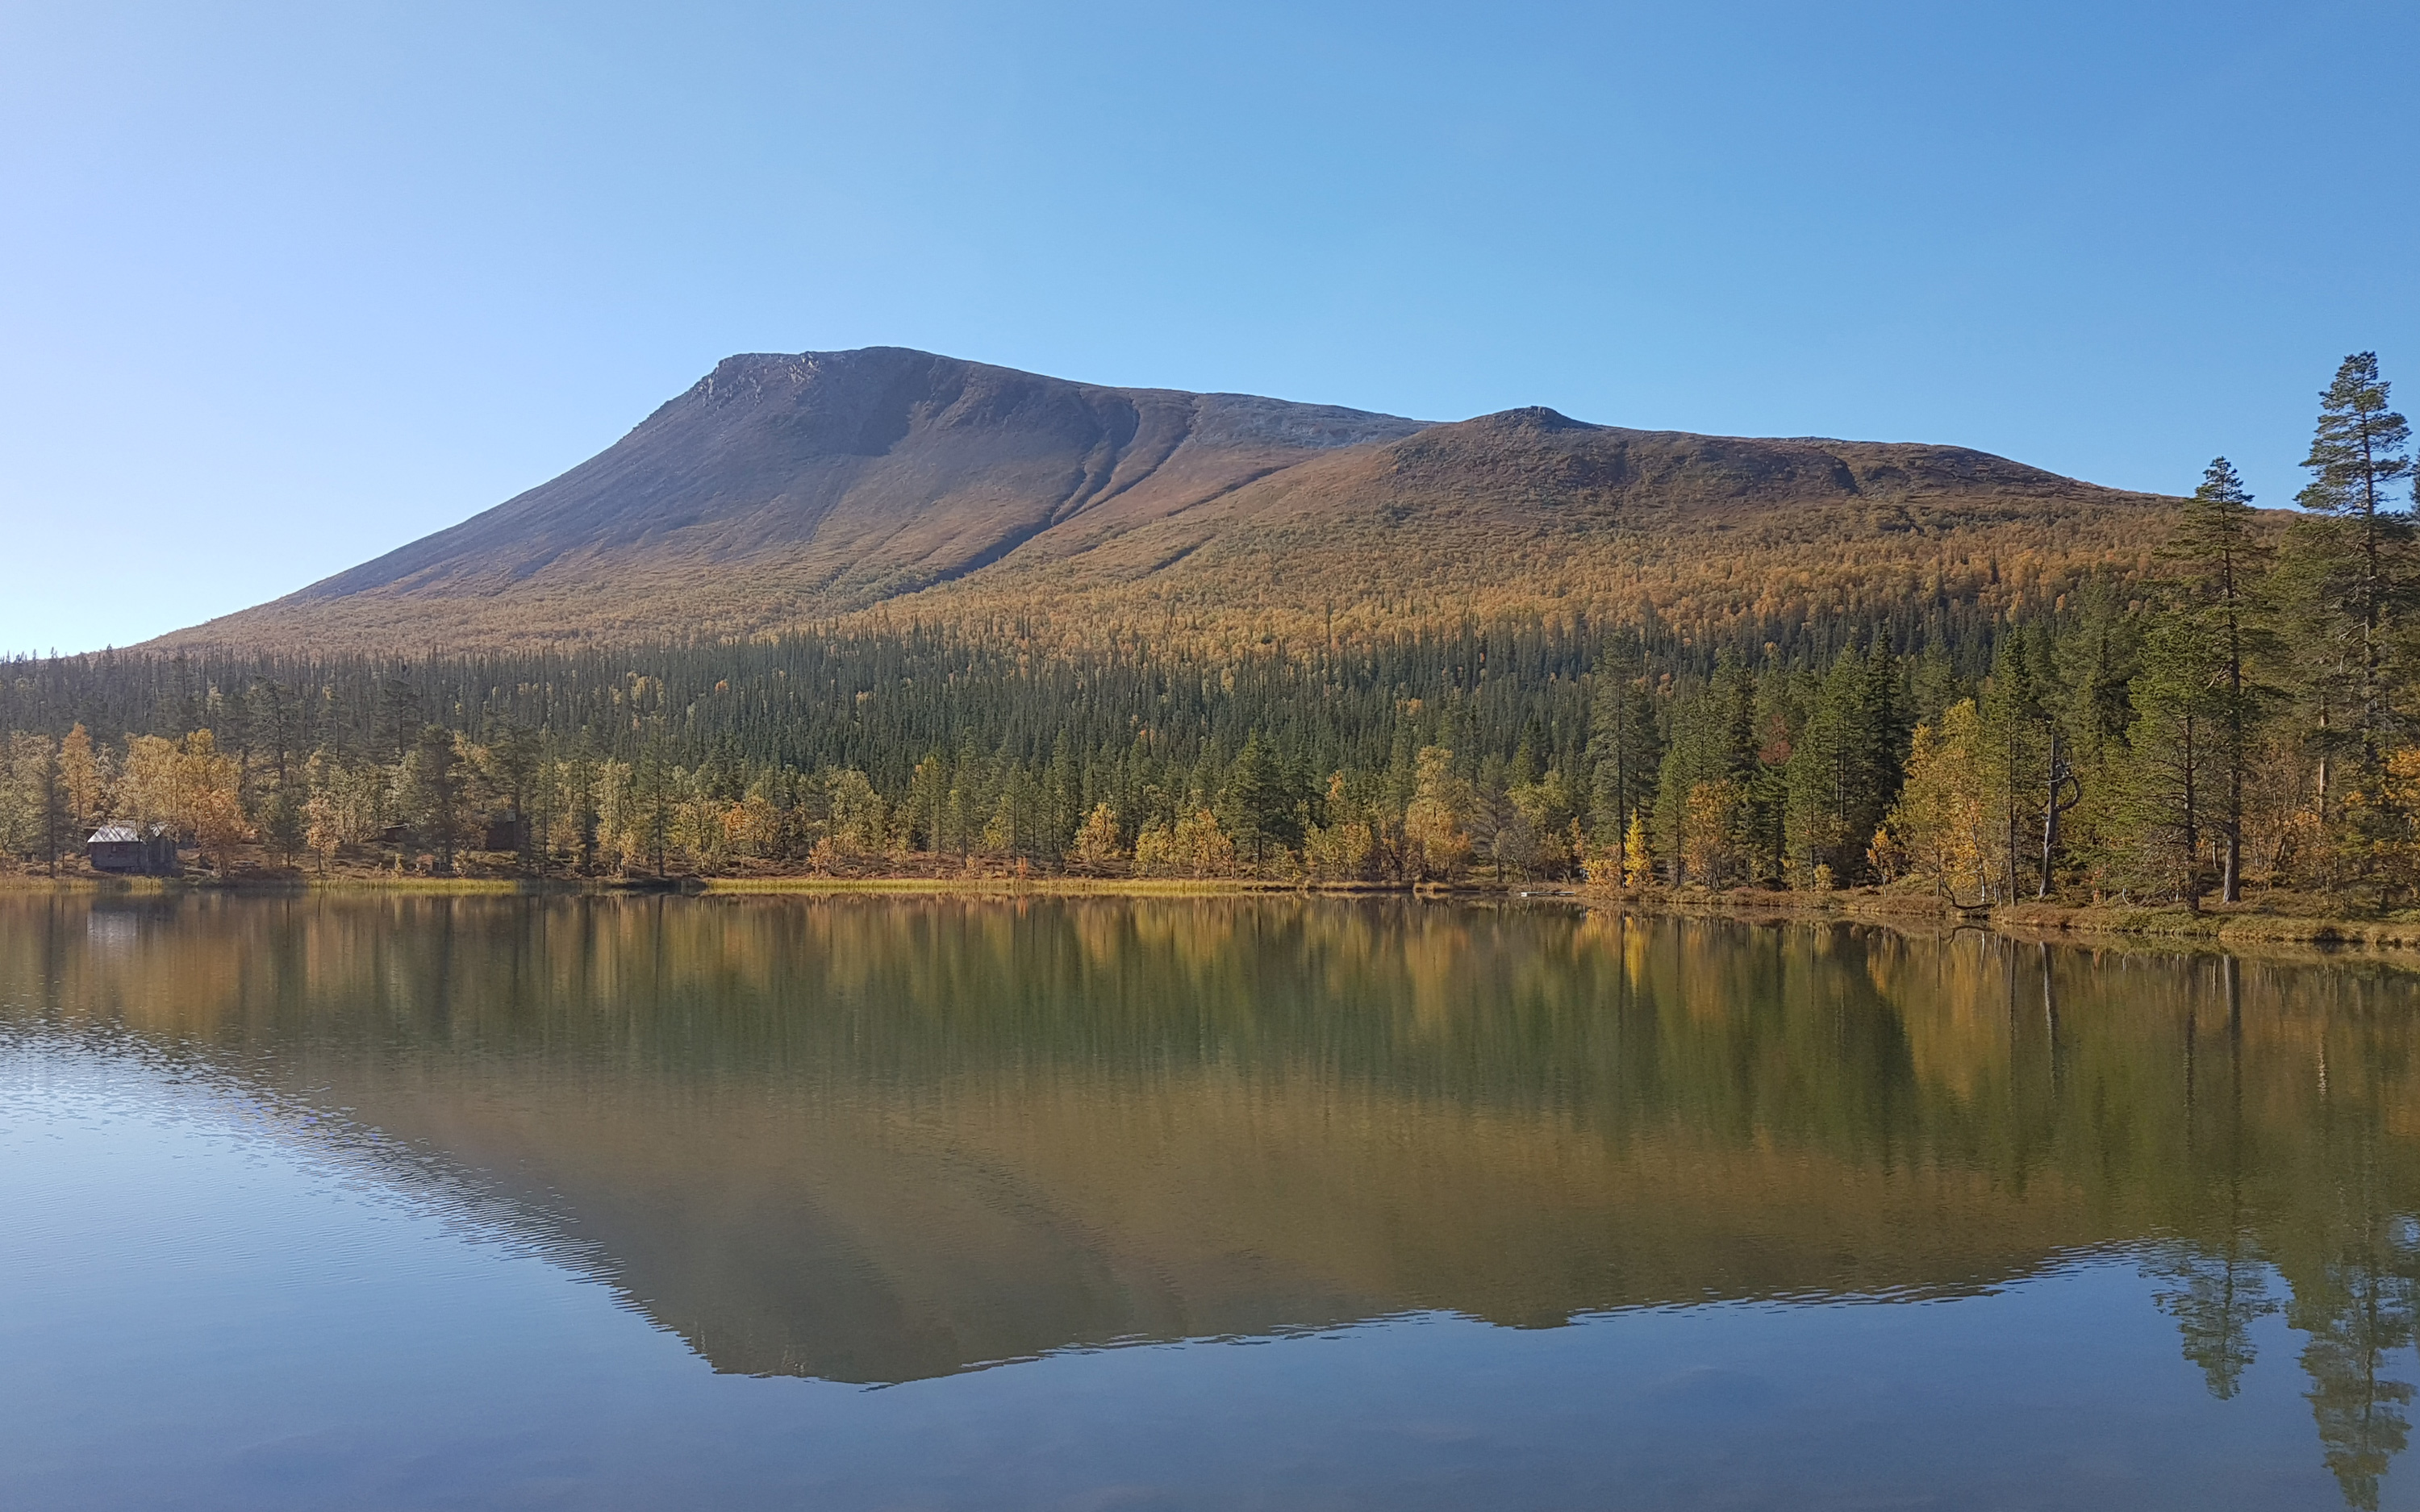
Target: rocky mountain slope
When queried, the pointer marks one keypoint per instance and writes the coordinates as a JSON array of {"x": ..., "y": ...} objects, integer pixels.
[{"x": 783, "y": 489}]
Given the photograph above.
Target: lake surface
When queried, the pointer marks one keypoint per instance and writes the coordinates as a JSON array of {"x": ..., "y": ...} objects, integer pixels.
[{"x": 860, "y": 1202}]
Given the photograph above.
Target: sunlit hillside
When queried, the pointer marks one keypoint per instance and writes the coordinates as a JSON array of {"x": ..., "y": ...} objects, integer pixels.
[{"x": 892, "y": 486}]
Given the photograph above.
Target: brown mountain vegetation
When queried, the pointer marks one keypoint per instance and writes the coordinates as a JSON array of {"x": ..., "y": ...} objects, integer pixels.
[{"x": 897, "y": 484}]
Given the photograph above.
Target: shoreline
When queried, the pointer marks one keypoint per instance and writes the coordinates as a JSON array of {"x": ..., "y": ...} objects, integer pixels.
[
  {"x": 2218, "y": 926},
  {"x": 748, "y": 887},
  {"x": 2215, "y": 927}
]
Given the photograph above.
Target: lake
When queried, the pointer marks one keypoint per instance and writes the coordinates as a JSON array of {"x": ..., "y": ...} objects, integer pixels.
[{"x": 409, "y": 1201}]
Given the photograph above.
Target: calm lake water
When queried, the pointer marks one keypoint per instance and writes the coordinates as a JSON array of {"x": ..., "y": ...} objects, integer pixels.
[{"x": 877, "y": 1203}]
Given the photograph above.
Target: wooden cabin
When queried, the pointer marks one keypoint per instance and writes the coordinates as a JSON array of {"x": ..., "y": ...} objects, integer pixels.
[{"x": 132, "y": 850}]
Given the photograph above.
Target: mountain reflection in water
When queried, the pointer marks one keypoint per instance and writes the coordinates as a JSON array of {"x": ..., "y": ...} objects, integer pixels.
[{"x": 874, "y": 1140}]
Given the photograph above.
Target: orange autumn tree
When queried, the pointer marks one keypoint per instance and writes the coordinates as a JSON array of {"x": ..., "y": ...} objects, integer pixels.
[{"x": 85, "y": 778}]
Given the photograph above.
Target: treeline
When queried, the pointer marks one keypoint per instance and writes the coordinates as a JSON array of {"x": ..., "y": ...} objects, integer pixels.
[
  {"x": 2241, "y": 717},
  {"x": 853, "y": 750}
]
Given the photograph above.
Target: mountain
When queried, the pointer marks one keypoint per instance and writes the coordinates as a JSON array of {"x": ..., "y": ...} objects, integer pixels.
[{"x": 779, "y": 489}]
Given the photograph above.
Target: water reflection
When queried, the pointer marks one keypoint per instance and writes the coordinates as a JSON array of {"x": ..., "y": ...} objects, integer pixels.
[{"x": 874, "y": 1140}]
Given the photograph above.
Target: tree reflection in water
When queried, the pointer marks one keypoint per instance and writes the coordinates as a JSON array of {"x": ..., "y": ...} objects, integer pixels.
[{"x": 876, "y": 1139}]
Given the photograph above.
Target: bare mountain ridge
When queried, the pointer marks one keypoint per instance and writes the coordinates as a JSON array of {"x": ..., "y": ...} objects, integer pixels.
[
  {"x": 782, "y": 488},
  {"x": 896, "y": 464}
]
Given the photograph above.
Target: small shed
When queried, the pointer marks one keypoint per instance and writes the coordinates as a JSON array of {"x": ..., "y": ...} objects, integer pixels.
[{"x": 129, "y": 848}]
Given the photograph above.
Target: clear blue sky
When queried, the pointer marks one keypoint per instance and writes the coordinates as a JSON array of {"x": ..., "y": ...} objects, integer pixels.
[{"x": 285, "y": 285}]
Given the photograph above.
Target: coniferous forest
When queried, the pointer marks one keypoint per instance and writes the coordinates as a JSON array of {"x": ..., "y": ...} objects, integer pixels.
[{"x": 2239, "y": 717}]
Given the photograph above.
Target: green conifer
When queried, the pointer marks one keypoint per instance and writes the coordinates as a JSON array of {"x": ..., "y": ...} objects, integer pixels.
[
  {"x": 2220, "y": 558},
  {"x": 2359, "y": 451}
]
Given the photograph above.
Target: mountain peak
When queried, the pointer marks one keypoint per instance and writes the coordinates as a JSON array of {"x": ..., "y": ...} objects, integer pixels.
[
  {"x": 783, "y": 487},
  {"x": 1534, "y": 417}
]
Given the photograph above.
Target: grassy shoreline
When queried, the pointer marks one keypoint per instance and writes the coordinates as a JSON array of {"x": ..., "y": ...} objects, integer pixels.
[
  {"x": 729, "y": 886},
  {"x": 2224, "y": 926},
  {"x": 2219, "y": 926}
]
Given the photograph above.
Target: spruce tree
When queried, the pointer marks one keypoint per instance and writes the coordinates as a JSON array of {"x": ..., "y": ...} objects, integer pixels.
[
  {"x": 512, "y": 758},
  {"x": 1696, "y": 794},
  {"x": 399, "y": 720},
  {"x": 1062, "y": 797},
  {"x": 1252, "y": 809},
  {"x": 1886, "y": 730},
  {"x": 1826, "y": 777},
  {"x": 270, "y": 718},
  {"x": 1624, "y": 748},
  {"x": 282, "y": 822},
  {"x": 2025, "y": 752},
  {"x": 2221, "y": 558},
  {"x": 2178, "y": 712},
  {"x": 433, "y": 798},
  {"x": 1761, "y": 793},
  {"x": 1846, "y": 765}
]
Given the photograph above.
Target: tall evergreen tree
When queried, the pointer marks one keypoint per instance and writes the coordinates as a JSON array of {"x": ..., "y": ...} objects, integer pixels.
[
  {"x": 433, "y": 795},
  {"x": 1757, "y": 835},
  {"x": 1845, "y": 765},
  {"x": 2177, "y": 700},
  {"x": 512, "y": 762},
  {"x": 398, "y": 722},
  {"x": 1253, "y": 808},
  {"x": 2358, "y": 453},
  {"x": 2025, "y": 754},
  {"x": 2220, "y": 560},
  {"x": 273, "y": 732},
  {"x": 1626, "y": 747},
  {"x": 1697, "y": 797}
]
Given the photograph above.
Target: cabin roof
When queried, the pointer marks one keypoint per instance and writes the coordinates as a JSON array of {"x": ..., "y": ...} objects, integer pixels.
[{"x": 122, "y": 834}]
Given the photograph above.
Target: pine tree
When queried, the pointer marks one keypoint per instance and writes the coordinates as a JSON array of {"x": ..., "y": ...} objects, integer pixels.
[{"x": 2359, "y": 451}]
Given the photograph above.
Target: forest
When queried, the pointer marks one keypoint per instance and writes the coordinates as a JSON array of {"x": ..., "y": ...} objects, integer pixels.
[{"x": 2238, "y": 716}]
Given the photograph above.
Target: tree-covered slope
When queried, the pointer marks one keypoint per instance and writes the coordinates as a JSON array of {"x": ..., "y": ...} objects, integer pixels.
[{"x": 1530, "y": 513}]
